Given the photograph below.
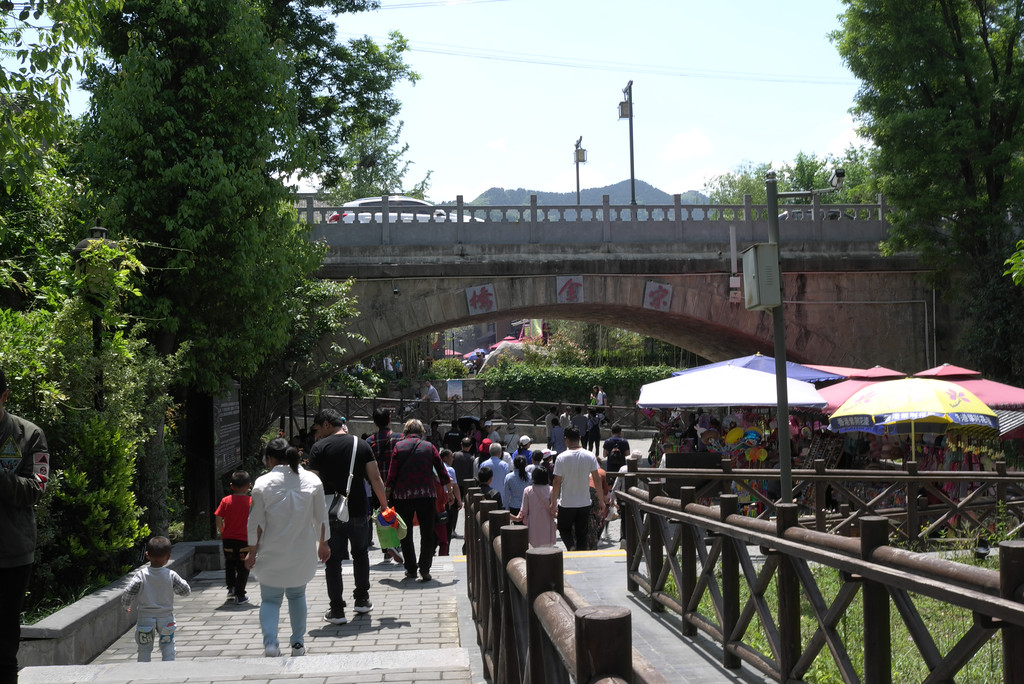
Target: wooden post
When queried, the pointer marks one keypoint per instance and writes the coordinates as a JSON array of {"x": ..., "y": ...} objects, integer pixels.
[
  {"x": 515, "y": 541},
  {"x": 495, "y": 575},
  {"x": 543, "y": 573},
  {"x": 1011, "y": 581},
  {"x": 483, "y": 583},
  {"x": 913, "y": 515},
  {"x": 604, "y": 644},
  {"x": 874, "y": 532},
  {"x": 789, "y": 596},
  {"x": 473, "y": 498},
  {"x": 629, "y": 518},
  {"x": 819, "y": 496},
  {"x": 730, "y": 584},
  {"x": 687, "y": 560},
  {"x": 656, "y": 557},
  {"x": 725, "y": 487}
]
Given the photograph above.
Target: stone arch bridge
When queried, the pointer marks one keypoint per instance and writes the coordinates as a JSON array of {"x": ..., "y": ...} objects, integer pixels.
[{"x": 671, "y": 272}]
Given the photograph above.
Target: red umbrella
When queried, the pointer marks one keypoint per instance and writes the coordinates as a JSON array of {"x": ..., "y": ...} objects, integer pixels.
[
  {"x": 948, "y": 370},
  {"x": 878, "y": 372},
  {"x": 837, "y": 394},
  {"x": 995, "y": 394}
]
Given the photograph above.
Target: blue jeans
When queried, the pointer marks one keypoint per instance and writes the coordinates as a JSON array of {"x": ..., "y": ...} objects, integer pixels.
[
  {"x": 354, "y": 533},
  {"x": 270, "y": 612},
  {"x": 148, "y": 630}
]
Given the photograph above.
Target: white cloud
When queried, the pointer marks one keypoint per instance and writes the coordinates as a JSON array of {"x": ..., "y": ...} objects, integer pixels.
[{"x": 498, "y": 144}]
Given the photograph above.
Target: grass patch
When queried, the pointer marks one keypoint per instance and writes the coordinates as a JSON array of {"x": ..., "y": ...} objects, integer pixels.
[{"x": 946, "y": 623}]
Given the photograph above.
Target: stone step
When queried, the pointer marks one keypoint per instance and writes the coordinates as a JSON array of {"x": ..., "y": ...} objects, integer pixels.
[{"x": 413, "y": 666}]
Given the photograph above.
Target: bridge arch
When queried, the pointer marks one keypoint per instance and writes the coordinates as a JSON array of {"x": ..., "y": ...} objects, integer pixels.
[
  {"x": 844, "y": 303},
  {"x": 838, "y": 319}
]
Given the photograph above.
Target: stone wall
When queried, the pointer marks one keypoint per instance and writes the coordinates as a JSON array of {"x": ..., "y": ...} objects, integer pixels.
[{"x": 78, "y": 633}]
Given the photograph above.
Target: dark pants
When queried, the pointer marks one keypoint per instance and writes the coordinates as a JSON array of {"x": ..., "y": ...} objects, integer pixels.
[
  {"x": 453, "y": 517},
  {"x": 235, "y": 574},
  {"x": 573, "y": 524},
  {"x": 424, "y": 512},
  {"x": 354, "y": 533},
  {"x": 14, "y": 582}
]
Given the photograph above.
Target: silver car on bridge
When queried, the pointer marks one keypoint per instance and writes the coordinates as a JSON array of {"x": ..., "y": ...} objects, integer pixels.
[{"x": 401, "y": 209}]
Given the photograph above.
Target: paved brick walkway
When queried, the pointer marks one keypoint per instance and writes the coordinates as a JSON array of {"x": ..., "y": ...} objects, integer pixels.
[{"x": 412, "y": 635}]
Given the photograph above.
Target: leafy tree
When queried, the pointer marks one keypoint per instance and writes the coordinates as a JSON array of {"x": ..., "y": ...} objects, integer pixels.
[
  {"x": 90, "y": 520},
  {"x": 317, "y": 310},
  {"x": 373, "y": 166},
  {"x": 941, "y": 100},
  {"x": 806, "y": 172},
  {"x": 185, "y": 129},
  {"x": 42, "y": 43},
  {"x": 746, "y": 179},
  {"x": 343, "y": 91}
]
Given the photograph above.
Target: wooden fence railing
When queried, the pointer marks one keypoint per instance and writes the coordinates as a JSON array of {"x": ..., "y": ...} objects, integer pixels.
[
  {"x": 913, "y": 501},
  {"x": 531, "y": 626},
  {"x": 520, "y": 411},
  {"x": 702, "y": 563}
]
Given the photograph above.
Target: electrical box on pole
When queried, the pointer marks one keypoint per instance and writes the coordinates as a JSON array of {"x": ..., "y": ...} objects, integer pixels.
[{"x": 762, "y": 280}]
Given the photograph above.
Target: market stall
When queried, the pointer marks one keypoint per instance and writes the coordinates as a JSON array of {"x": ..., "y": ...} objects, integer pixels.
[{"x": 721, "y": 411}]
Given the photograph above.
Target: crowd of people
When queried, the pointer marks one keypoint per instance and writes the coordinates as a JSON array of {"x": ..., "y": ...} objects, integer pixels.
[{"x": 287, "y": 524}]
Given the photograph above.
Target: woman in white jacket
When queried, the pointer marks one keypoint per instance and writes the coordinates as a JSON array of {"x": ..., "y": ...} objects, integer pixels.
[{"x": 288, "y": 531}]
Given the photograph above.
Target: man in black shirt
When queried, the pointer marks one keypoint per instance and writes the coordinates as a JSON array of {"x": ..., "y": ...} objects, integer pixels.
[
  {"x": 464, "y": 463},
  {"x": 330, "y": 459}
]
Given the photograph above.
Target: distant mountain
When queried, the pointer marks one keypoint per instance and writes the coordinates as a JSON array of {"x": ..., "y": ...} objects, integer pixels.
[{"x": 617, "y": 194}]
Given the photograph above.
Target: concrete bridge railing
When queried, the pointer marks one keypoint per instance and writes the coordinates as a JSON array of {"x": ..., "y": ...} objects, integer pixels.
[{"x": 603, "y": 223}]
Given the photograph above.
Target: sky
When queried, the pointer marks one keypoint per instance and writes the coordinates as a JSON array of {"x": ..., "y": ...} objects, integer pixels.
[{"x": 507, "y": 87}]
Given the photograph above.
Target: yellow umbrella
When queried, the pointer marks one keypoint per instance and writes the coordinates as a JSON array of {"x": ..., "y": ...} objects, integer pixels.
[{"x": 913, "y": 405}]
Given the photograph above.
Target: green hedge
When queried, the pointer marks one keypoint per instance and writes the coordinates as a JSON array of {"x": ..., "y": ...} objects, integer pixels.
[{"x": 570, "y": 384}]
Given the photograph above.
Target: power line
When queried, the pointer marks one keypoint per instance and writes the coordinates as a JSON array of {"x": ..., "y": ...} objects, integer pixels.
[
  {"x": 600, "y": 65},
  {"x": 434, "y": 3}
]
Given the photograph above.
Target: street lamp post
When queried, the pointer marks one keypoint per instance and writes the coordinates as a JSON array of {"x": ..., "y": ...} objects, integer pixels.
[
  {"x": 92, "y": 273},
  {"x": 626, "y": 112},
  {"x": 580, "y": 155},
  {"x": 779, "y": 323}
]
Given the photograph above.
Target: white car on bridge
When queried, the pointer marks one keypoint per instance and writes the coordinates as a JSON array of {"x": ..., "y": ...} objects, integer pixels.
[{"x": 401, "y": 209}]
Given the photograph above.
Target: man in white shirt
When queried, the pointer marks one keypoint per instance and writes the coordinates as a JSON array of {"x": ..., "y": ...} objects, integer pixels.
[{"x": 570, "y": 491}]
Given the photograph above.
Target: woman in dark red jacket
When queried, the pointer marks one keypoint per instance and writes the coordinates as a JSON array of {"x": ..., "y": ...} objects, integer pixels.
[{"x": 415, "y": 470}]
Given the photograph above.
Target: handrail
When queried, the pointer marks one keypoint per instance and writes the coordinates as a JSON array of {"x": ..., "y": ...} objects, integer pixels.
[
  {"x": 916, "y": 518},
  {"x": 521, "y": 411},
  {"x": 531, "y": 626},
  {"x": 706, "y": 552}
]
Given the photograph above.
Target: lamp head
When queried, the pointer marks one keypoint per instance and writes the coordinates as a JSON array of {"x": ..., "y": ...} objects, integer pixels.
[{"x": 836, "y": 181}]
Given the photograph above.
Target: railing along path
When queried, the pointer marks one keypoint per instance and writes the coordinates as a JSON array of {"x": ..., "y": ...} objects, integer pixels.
[
  {"x": 685, "y": 555},
  {"x": 531, "y": 626},
  {"x": 461, "y": 223},
  {"x": 522, "y": 412},
  {"x": 835, "y": 500}
]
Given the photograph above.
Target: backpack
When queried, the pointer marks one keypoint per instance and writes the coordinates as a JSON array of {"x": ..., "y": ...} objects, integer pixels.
[{"x": 616, "y": 459}]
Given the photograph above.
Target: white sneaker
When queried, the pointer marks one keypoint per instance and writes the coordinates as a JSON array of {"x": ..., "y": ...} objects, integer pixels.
[
  {"x": 272, "y": 650},
  {"x": 298, "y": 649}
]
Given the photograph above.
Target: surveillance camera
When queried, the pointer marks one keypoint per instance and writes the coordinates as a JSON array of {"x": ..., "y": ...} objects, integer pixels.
[
  {"x": 396, "y": 292},
  {"x": 836, "y": 181}
]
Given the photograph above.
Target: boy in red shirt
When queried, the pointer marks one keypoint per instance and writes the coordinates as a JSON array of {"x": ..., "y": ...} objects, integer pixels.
[{"x": 232, "y": 519}]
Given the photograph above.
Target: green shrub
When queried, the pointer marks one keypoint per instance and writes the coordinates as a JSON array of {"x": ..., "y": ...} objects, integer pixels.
[
  {"x": 570, "y": 384},
  {"x": 447, "y": 369}
]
